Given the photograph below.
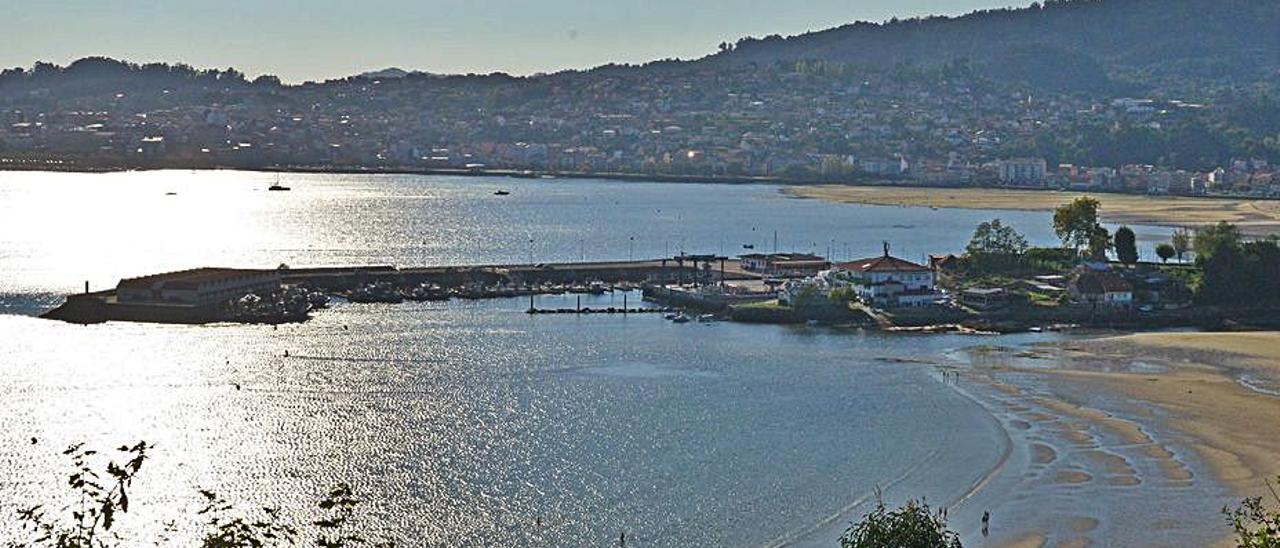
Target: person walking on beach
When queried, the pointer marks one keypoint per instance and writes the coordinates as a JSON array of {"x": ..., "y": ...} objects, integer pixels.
[
  {"x": 986, "y": 522},
  {"x": 622, "y": 539}
]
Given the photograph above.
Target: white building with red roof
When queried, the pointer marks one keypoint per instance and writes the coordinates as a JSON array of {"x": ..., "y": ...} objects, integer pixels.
[{"x": 890, "y": 282}]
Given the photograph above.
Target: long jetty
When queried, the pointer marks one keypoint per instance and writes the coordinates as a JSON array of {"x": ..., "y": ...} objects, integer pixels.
[
  {"x": 668, "y": 270},
  {"x": 468, "y": 281}
]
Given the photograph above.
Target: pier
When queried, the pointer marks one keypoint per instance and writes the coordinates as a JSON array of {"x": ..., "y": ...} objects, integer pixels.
[{"x": 209, "y": 295}]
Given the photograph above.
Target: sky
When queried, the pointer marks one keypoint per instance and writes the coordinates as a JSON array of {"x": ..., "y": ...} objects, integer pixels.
[{"x": 302, "y": 40}]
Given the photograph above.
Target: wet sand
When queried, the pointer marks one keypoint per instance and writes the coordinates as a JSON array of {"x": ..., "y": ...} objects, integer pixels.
[
  {"x": 1235, "y": 429},
  {"x": 1084, "y": 467},
  {"x": 1253, "y": 216},
  {"x": 1176, "y": 393}
]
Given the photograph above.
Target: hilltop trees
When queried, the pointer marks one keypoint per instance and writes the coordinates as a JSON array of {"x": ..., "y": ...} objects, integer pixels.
[
  {"x": 1181, "y": 242},
  {"x": 1218, "y": 254},
  {"x": 1236, "y": 272},
  {"x": 1216, "y": 239},
  {"x": 995, "y": 245},
  {"x": 1126, "y": 245},
  {"x": 996, "y": 238},
  {"x": 1099, "y": 244},
  {"x": 1077, "y": 225}
]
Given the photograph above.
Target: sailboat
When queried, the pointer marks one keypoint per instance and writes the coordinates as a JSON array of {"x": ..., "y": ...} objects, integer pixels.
[{"x": 277, "y": 187}]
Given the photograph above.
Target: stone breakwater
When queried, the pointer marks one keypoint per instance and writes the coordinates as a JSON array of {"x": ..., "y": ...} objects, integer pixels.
[{"x": 392, "y": 284}]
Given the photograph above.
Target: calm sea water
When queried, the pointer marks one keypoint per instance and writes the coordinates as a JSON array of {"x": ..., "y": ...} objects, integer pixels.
[
  {"x": 58, "y": 231},
  {"x": 468, "y": 423}
]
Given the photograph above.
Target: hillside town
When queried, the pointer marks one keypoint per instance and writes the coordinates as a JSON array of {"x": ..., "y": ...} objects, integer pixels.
[{"x": 808, "y": 122}]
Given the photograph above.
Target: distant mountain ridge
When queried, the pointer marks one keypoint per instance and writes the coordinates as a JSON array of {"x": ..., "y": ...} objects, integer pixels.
[
  {"x": 954, "y": 95},
  {"x": 1088, "y": 46},
  {"x": 1063, "y": 45},
  {"x": 390, "y": 72}
]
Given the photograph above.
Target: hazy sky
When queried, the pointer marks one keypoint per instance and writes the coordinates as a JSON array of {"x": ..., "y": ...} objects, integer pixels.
[{"x": 316, "y": 39}]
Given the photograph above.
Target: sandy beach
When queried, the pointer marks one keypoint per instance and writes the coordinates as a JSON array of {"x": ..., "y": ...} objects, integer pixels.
[
  {"x": 1206, "y": 393},
  {"x": 1253, "y": 216},
  {"x": 1212, "y": 394}
]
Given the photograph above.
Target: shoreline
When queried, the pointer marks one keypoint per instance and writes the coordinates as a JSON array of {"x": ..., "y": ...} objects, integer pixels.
[
  {"x": 1257, "y": 216},
  {"x": 458, "y": 172},
  {"x": 799, "y": 188}
]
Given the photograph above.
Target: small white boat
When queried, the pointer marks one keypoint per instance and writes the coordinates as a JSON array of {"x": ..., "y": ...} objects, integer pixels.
[{"x": 680, "y": 318}]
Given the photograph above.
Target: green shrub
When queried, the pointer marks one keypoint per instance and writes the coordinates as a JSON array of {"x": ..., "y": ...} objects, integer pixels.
[
  {"x": 911, "y": 526},
  {"x": 1256, "y": 526}
]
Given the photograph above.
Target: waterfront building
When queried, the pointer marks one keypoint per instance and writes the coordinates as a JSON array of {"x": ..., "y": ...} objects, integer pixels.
[
  {"x": 197, "y": 287},
  {"x": 1023, "y": 171},
  {"x": 984, "y": 298},
  {"x": 891, "y": 282},
  {"x": 785, "y": 265}
]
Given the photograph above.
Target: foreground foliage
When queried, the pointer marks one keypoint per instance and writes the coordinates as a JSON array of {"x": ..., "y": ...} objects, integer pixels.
[
  {"x": 101, "y": 495},
  {"x": 1256, "y": 526},
  {"x": 911, "y": 526},
  {"x": 88, "y": 522}
]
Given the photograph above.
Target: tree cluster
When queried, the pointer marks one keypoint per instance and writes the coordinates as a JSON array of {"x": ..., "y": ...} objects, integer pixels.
[{"x": 1236, "y": 271}]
